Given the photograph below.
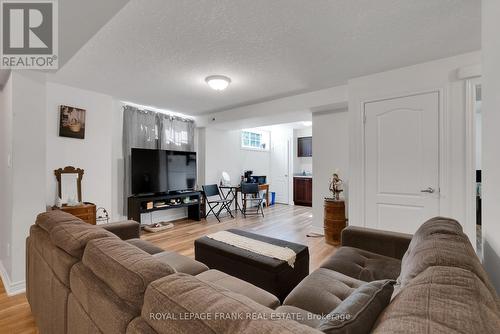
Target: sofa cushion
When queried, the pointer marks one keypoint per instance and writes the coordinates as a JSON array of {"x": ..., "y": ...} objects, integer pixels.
[
  {"x": 442, "y": 300},
  {"x": 440, "y": 242},
  {"x": 78, "y": 320},
  {"x": 322, "y": 291},
  {"x": 237, "y": 285},
  {"x": 387, "y": 243},
  {"x": 104, "y": 308},
  {"x": 361, "y": 308},
  {"x": 73, "y": 236},
  {"x": 146, "y": 246},
  {"x": 48, "y": 220},
  {"x": 301, "y": 316},
  {"x": 214, "y": 309},
  {"x": 181, "y": 263},
  {"x": 139, "y": 326},
  {"x": 126, "y": 269},
  {"x": 363, "y": 265}
]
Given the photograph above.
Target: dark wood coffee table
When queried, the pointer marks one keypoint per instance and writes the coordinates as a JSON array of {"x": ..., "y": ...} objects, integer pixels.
[{"x": 270, "y": 274}]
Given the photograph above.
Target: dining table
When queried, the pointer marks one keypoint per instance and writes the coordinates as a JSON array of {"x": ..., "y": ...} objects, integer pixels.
[{"x": 233, "y": 190}]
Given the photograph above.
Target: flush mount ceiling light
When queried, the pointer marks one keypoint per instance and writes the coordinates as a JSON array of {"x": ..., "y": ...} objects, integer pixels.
[{"x": 218, "y": 82}]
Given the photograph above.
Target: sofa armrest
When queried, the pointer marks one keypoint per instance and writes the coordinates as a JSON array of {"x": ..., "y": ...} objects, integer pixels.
[
  {"x": 127, "y": 229},
  {"x": 381, "y": 242}
]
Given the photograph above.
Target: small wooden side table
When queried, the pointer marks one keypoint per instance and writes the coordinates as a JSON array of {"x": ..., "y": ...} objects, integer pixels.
[
  {"x": 335, "y": 220},
  {"x": 86, "y": 212}
]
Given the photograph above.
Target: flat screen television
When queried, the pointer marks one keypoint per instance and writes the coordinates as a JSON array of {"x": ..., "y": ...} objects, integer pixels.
[
  {"x": 162, "y": 171},
  {"x": 181, "y": 170}
]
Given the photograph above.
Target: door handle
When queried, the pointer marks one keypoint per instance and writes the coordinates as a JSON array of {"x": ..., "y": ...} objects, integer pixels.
[{"x": 429, "y": 190}]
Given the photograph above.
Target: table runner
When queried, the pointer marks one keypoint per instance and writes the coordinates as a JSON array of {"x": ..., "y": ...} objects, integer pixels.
[{"x": 263, "y": 248}]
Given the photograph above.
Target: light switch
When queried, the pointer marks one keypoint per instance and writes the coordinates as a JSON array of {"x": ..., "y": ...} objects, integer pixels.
[{"x": 9, "y": 160}]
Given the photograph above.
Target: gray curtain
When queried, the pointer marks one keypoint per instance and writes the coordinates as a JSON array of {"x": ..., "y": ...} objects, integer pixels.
[
  {"x": 176, "y": 133},
  {"x": 149, "y": 129}
]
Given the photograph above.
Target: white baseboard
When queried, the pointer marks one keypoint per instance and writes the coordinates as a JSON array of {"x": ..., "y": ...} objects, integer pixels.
[{"x": 12, "y": 288}]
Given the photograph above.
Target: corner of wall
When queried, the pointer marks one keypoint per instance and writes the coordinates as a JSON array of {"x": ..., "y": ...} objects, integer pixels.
[
  {"x": 11, "y": 288},
  {"x": 330, "y": 133}
]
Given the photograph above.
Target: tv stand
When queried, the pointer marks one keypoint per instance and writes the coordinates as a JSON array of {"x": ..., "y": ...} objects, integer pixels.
[
  {"x": 190, "y": 199},
  {"x": 180, "y": 192}
]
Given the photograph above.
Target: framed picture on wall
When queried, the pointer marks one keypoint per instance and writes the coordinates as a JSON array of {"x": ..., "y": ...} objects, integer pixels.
[{"x": 71, "y": 122}]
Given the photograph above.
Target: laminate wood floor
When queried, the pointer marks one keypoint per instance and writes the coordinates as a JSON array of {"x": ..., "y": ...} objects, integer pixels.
[
  {"x": 285, "y": 222},
  {"x": 15, "y": 314}
]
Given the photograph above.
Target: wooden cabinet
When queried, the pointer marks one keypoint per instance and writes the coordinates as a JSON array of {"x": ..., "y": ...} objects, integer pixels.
[
  {"x": 302, "y": 191},
  {"x": 86, "y": 212},
  {"x": 334, "y": 221},
  {"x": 304, "y": 147}
]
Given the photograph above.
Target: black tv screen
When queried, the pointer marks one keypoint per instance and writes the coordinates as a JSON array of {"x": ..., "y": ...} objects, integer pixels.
[
  {"x": 149, "y": 171},
  {"x": 161, "y": 171},
  {"x": 181, "y": 170}
]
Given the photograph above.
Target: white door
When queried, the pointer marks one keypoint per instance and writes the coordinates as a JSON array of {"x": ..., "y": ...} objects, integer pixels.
[
  {"x": 402, "y": 162},
  {"x": 280, "y": 162}
]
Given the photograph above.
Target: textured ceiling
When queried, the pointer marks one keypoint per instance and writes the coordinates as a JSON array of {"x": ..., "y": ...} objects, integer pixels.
[{"x": 158, "y": 52}]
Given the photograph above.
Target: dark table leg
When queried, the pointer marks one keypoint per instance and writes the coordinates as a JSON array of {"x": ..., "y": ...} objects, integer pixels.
[{"x": 237, "y": 204}]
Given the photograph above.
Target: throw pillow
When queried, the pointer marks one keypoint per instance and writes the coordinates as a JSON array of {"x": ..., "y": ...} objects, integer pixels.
[{"x": 358, "y": 312}]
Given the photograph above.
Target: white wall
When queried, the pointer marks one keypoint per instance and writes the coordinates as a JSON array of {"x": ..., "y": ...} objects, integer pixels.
[
  {"x": 479, "y": 136},
  {"x": 117, "y": 164},
  {"x": 439, "y": 75},
  {"x": 22, "y": 165},
  {"x": 5, "y": 176},
  {"x": 284, "y": 110},
  {"x": 223, "y": 152},
  {"x": 330, "y": 152},
  {"x": 93, "y": 154},
  {"x": 201, "y": 155},
  {"x": 301, "y": 164},
  {"x": 28, "y": 165},
  {"x": 491, "y": 138}
]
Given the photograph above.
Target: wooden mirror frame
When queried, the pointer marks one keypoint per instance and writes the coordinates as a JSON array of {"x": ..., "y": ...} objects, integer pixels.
[{"x": 70, "y": 170}]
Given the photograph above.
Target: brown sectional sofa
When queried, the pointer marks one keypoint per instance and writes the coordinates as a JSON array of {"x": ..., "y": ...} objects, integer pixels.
[
  {"x": 441, "y": 284},
  {"x": 85, "y": 279}
]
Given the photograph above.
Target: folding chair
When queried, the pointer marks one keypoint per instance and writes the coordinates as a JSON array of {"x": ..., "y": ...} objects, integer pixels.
[
  {"x": 250, "y": 194},
  {"x": 212, "y": 190}
]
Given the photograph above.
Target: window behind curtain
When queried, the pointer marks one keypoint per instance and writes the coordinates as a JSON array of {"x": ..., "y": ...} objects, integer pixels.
[{"x": 176, "y": 133}]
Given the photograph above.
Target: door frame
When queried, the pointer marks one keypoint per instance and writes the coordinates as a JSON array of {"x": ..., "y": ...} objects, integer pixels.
[
  {"x": 470, "y": 153},
  {"x": 443, "y": 149}
]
